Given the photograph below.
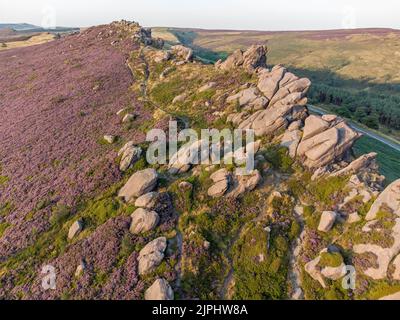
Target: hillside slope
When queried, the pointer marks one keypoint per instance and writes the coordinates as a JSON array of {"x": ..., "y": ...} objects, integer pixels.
[{"x": 112, "y": 226}]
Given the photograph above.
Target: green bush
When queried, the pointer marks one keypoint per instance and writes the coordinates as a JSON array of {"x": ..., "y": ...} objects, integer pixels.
[{"x": 328, "y": 259}]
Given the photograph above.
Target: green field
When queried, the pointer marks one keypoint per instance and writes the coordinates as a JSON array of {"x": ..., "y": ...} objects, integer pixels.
[{"x": 388, "y": 158}]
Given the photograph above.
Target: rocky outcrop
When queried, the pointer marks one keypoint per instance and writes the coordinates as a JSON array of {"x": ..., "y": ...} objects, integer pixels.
[
  {"x": 182, "y": 52},
  {"x": 152, "y": 255},
  {"x": 188, "y": 155},
  {"x": 312, "y": 269},
  {"x": 291, "y": 140},
  {"x": 129, "y": 155},
  {"x": 319, "y": 272},
  {"x": 249, "y": 97},
  {"x": 272, "y": 119},
  {"x": 159, "y": 290},
  {"x": 250, "y": 60},
  {"x": 364, "y": 162},
  {"x": 143, "y": 220},
  {"x": 383, "y": 255},
  {"x": 390, "y": 197},
  {"x": 324, "y": 145},
  {"x": 244, "y": 183},
  {"x": 138, "y": 184}
]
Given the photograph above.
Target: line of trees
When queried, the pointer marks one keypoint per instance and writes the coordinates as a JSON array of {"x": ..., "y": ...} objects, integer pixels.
[{"x": 370, "y": 108}]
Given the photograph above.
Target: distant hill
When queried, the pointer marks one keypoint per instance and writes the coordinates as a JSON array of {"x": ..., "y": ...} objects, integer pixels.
[{"x": 18, "y": 26}]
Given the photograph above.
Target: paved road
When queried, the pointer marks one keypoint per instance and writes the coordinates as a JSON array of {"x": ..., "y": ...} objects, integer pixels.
[{"x": 371, "y": 134}]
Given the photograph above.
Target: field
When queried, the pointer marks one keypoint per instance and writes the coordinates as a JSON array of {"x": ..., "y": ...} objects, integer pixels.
[{"x": 30, "y": 41}]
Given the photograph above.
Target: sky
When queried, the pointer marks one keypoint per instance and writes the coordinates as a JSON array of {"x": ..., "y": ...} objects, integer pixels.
[{"x": 209, "y": 14}]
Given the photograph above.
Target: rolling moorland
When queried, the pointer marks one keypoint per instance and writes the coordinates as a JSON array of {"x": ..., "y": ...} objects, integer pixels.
[
  {"x": 77, "y": 193},
  {"x": 354, "y": 72}
]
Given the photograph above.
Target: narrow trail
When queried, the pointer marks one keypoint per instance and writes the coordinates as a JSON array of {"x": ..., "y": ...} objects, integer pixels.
[
  {"x": 144, "y": 93},
  {"x": 294, "y": 274}
]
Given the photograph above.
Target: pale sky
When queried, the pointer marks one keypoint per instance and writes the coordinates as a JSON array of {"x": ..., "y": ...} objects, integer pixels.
[{"x": 211, "y": 14}]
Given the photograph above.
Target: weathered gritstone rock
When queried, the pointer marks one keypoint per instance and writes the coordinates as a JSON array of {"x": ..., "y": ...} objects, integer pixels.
[
  {"x": 207, "y": 86},
  {"x": 243, "y": 184},
  {"x": 188, "y": 155},
  {"x": 249, "y": 97},
  {"x": 291, "y": 140},
  {"x": 75, "y": 229},
  {"x": 364, "y": 162},
  {"x": 327, "y": 221},
  {"x": 183, "y": 52},
  {"x": 143, "y": 220},
  {"x": 129, "y": 154},
  {"x": 80, "y": 269},
  {"x": 221, "y": 183},
  {"x": 314, "y": 125},
  {"x": 318, "y": 273},
  {"x": 250, "y": 60},
  {"x": 384, "y": 255},
  {"x": 162, "y": 56},
  {"x": 334, "y": 273},
  {"x": 395, "y": 296},
  {"x": 327, "y": 146},
  {"x": 148, "y": 200},
  {"x": 109, "y": 138},
  {"x": 268, "y": 82},
  {"x": 312, "y": 269},
  {"x": 152, "y": 255},
  {"x": 269, "y": 121},
  {"x": 138, "y": 184},
  {"x": 159, "y": 290},
  {"x": 396, "y": 264},
  {"x": 389, "y": 197}
]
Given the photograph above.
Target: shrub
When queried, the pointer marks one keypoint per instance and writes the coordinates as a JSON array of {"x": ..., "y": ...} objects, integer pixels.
[{"x": 328, "y": 259}]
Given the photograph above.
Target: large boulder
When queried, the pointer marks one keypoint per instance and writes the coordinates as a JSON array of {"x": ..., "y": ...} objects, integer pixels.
[
  {"x": 138, "y": 184},
  {"x": 314, "y": 125},
  {"x": 220, "y": 179},
  {"x": 327, "y": 221},
  {"x": 389, "y": 197},
  {"x": 250, "y": 97},
  {"x": 152, "y": 255},
  {"x": 159, "y": 290},
  {"x": 244, "y": 183},
  {"x": 327, "y": 146},
  {"x": 129, "y": 154},
  {"x": 255, "y": 57},
  {"x": 143, "y": 220},
  {"x": 250, "y": 60},
  {"x": 148, "y": 200},
  {"x": 291, "y": 140},
  {"x": 182, "y": 52},
  {"x": 268, "y": 82}
]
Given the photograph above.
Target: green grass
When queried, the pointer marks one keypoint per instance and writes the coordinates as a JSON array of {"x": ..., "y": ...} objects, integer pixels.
[
  {"x": 3, "y": 180},
  {"x": 388, "y": 158},
  {"x": 260, "y": 272}
]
